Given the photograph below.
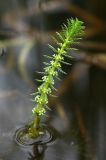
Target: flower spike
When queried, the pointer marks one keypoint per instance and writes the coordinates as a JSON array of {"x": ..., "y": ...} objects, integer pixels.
[{"x": 71, "y": 34}]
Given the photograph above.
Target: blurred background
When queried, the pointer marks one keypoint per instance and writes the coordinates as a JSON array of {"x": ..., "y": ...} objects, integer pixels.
[{"x": 79, "y": 112}]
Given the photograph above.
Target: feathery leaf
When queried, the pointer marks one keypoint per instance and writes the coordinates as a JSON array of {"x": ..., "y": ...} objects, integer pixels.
[
  {"x": 71, "y": 34},
  {"x": 52, "y": 48},
  {"x": 66, "y": 63},
  {"x": 49, "y": 57},
  {"x": 62, "y": 71},
  {"x": 60, "y": 36}
]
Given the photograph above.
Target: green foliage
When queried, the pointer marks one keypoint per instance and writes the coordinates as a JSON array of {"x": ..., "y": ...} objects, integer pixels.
[{"x": 71, "y": 34}]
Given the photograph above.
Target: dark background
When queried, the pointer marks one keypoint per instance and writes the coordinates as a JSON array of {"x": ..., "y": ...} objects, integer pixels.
[{"x": 78, "y": 116}]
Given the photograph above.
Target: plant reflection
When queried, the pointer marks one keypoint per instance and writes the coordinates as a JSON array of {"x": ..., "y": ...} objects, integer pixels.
[{"x": 38, "y": 152}]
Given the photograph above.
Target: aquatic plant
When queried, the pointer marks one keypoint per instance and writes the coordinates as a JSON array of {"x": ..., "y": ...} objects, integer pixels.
[{"x": 71, "y": 34}]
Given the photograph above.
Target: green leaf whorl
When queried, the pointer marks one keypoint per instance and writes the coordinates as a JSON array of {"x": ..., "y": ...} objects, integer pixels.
[{"x": 71, "y": 34}]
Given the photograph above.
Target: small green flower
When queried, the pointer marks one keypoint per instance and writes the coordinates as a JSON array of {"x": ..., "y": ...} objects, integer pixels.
[
  {"x": 71, "y": 34},
  {"x": 39, "y": 111}
]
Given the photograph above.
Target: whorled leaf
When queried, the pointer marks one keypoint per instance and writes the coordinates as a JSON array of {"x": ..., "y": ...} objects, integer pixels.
[{"x": 71, "y": 34}]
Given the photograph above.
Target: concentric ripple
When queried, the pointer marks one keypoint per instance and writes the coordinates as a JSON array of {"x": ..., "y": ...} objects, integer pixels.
[{"x": 22, "y": 139}]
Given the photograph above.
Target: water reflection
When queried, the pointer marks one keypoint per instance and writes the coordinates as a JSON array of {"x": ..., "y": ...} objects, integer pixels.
[
  {"x": 15, "y": 108},
  {"x": 22, "y": 139},
  {"x": 2, "y": 51},
  {"x": 38, "y": 152}
]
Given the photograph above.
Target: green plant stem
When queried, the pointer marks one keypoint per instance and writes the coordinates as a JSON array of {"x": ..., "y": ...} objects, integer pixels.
[
  {"x": 70, "y": 35},
  {"x": 47, "y": 84},
  {"x": 37, "y": 122},
  {"x": 34, "y": 128}
]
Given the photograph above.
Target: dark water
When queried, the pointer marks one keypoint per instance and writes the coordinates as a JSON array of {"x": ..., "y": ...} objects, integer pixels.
[
  {"x": 15, "y": 111},
  {"x": 77, "y": 135}
]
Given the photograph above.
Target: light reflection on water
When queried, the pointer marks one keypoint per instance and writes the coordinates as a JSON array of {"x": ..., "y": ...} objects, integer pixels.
[{"x": 15, "y": 110}]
